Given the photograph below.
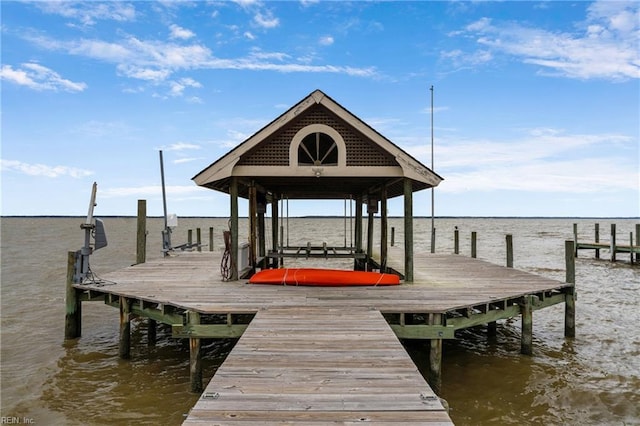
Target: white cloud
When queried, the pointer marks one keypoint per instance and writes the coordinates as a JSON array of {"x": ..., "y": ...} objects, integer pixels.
[
  {"x": 538, "y": 162},
  {"x": 326, "y": 41},
  {"x": 38, "y": 77},
  {"x": 43, "y": 169},
  {"x": 155, "y": 61},
  {"x": 605, "y": 46},
  {"x": 265, "y": 19},
  {"x": 180, "y": 33},
  {"x": 181, "y": 146},
  {"x": 89, "y": 12},
  {"x": 248, "y": 35},
  {"x": 177, "y": 87}
]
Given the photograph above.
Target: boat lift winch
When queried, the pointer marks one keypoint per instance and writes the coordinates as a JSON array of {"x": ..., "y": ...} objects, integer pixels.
[{"x": 92, "y": 227}]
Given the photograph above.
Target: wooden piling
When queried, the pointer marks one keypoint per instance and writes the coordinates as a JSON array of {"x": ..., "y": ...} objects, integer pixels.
[
  {"x": 637, "y": 241},
  {"x": 509, "y": 242},
  {"x": 190, "y": 238},
  {"x": 575, "y": 238},
  {"x": 211, "y": 238},
  {"x": 141, "y": 239},
  {"x": 199, "y": 239},
  {"x": 393, "y": 236},
  {"x": 435, "y": 356},
  {"x": 526, "y": 338},
  {"x": 570, "y": 294},
  {"x": 151, "y": 332},
  {"x": 456, "y": 241},
  {"x": 73, "y": 315},
  {"x": 195, "y": 356},
  {"x": 613, "y": 242},
  {"x": 474, "y": 245},
  {"x": 125, "y": 328},
  {"x": 597, "y": 240}
]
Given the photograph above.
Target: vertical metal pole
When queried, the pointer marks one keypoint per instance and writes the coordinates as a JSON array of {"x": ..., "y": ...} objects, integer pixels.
[
  {"x": 433, "y": 227},
  {"x": 166, "y": 234}
]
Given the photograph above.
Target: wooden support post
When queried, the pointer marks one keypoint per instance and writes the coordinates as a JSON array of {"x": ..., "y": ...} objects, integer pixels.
[
  {"x": 199, "y": 239},
  {"x": 383, "y": 230},
  {"x": 575, "y": 238},
  {"x": 253, "y": 225},
  {"x": 408, "y": 231},
  {"x": 474, "y": 244},
  {"x": 357, "y": 263},
  {"x": 631, "y": 247},
  {"x": 597, "y": 237},
  {"x": 195, "y": 356},
  {"x": 435, "y": 357},
  {"x": 613, "y": 242},
  {"x": 125, "y": 328},
  {"x": 73, "y": 315},
  {"x": 262, "y": 241},
  {"x": 526, "y": 338},
  {"x": 141, "y": 240},
  {"x": 151, "y": 332},
  {"x": 393, "y": 236},
  {"x": 509, "y": 241},
  {"x": 211, "y": 238},
  {"x": 456, "y": 241},
  {"x": 274, "y": 227},
  {"x": 370, "y": 236},
  {"x": 638, "y": 241},
  {"x": 570, "y": 295},
  {"x": 492, "y": 329},
  {"x": 190, "y": 237},
  {"x": 233, "y": 194}
]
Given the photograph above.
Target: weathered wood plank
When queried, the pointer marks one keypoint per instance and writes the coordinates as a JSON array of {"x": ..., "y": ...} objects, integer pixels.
[{"x": 348, "y": 369}]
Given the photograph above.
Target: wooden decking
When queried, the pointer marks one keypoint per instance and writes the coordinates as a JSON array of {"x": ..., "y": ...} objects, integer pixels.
[
  {"x": 318, "y": 354},
  {"x": 318, "y": 365}
]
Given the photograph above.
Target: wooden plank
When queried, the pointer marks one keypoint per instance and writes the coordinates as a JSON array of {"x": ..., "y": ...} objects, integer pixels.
[{"x": 286, "y": 367}]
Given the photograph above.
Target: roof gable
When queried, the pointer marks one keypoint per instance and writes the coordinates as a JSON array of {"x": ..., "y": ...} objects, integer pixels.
[{"x": 269, "y": 151}]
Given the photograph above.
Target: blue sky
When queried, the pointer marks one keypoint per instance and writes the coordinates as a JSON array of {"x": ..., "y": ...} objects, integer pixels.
[{"x": 536, "y": 103}]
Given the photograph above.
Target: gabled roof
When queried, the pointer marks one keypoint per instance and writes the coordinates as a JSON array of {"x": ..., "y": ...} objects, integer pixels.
[{"x": 367, "y": 160}]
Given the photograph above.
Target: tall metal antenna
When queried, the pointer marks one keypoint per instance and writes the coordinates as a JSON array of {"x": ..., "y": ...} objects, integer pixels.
[{"x": 433, "y": 227}]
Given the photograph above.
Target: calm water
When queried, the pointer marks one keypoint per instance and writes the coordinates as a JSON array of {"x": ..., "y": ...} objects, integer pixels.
[{"x": 594, "y": 379}]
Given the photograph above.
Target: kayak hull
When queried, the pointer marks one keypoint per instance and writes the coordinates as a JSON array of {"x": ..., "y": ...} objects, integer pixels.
[{"x": 323, "y": 277}]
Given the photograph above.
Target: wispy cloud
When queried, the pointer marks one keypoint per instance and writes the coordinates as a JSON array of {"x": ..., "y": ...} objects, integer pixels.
[
  {"x": 87, "y": 13},
  {"x": 181, "y": 146},
  {"x": 43, "y": 169},
  {"x": 155, "y": 61},
  {"x": 605, "y": 45},
  {"x": 326, "y": 40},
  {"x": 39, "y": 77},
  {"x": 537, "y": 161}
]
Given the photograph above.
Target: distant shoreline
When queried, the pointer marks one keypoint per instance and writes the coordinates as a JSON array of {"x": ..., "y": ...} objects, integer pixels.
[{"x": 320, "y": 217}]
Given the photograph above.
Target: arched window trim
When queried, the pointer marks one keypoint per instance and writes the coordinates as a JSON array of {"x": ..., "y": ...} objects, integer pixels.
[{"x": 317, "y": 128}]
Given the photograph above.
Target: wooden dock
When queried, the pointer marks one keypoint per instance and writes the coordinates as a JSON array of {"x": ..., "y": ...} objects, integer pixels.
[
  {"x": 318, "y": 353},
  {"x": 311, "y": 365},
  {"x": 612, "y": 245}
]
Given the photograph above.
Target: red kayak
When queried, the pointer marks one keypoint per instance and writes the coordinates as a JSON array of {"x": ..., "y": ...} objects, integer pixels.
[{"x": 322, "y": 277}]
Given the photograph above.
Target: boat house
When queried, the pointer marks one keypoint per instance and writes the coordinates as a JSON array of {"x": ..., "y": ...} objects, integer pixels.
[{"x": 317, "y": 150}]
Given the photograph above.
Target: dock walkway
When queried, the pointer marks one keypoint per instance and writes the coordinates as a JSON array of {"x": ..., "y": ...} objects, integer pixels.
[
  {"x": 310, "y": 365},
  {"x": 319, "y": 353}
]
